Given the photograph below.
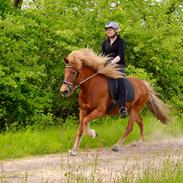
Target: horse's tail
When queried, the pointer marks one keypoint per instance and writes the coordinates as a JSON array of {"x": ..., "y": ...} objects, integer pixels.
[{"x": 157, "y": 106}]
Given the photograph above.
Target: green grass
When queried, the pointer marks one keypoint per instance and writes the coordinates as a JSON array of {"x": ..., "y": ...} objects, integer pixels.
[
  {"x": 29, "y": 142},
  {"x": 60, "y": 139},
  {"x": 169, "y": 172}
]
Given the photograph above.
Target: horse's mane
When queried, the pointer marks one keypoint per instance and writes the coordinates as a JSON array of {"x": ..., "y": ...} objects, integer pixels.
[{"x": 89, "y": 58}]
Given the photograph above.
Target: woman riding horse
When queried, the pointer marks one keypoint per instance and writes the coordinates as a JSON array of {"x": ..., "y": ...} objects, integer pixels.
[
  {"x": 114, "y": 47},
  {"x": 89, "y": 71}
]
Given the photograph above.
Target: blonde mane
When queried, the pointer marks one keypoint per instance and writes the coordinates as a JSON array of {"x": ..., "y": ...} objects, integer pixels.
[{"x": 89, "y": 58}]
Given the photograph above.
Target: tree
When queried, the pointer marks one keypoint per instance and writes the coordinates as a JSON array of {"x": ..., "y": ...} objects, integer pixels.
[
  {"x": 18, "y": 3},
  {"x": 34, "y": 41}
]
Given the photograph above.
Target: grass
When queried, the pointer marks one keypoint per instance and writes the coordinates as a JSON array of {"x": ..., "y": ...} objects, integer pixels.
[
  {"x": 59, "y": 139},
  {"x": 169, "y": 172},
  {"x": 28, "y": 142}
]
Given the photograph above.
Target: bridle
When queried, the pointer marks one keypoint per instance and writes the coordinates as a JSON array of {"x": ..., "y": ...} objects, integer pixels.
[{"x": 73, "y": 87}]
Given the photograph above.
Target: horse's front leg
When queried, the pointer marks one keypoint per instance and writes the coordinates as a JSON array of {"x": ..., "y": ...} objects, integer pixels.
[
  {"x": 73, "y": 151},
  {"x": 91, "y": 132},
  {"x": 84, "y": 121}
]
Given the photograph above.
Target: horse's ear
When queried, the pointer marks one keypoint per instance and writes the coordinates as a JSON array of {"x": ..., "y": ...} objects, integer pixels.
[{"x": 66, "y": 60}]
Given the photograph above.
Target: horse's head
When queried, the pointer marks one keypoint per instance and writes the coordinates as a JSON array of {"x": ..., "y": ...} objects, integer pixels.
[{"x": 70, "y": 77}]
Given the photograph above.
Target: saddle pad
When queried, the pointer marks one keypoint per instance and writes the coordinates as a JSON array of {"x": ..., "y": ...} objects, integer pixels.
[{"x": 113, "y": 89}]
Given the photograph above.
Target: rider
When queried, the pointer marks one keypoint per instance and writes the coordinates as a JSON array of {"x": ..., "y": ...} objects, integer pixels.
[{"x": 113, "y": 46}]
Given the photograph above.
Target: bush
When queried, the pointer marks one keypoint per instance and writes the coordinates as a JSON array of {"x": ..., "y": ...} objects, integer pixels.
[{"x": 34, "y": 41}]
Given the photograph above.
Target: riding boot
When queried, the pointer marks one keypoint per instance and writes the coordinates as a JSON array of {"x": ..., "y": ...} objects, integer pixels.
[
  {"x": 122, "y": 96},
  {"x": 123, "y": 112}
]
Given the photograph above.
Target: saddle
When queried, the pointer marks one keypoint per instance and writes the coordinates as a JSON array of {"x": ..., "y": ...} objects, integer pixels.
[{"x": 113, "y": 92}]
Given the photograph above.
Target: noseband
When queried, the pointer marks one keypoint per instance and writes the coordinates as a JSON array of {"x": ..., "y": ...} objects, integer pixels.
[{"x": 68, "y": 83}]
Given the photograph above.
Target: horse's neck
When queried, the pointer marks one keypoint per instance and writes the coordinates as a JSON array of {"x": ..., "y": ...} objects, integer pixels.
[{"x": 84, "y": 74}]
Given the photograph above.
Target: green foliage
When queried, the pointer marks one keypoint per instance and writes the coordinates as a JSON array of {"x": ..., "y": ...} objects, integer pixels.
[
  {"x": 5, "y": 6},
  {"x": 33, "y": 42}
]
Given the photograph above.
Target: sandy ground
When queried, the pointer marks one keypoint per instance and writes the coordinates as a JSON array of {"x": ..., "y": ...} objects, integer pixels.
[{"x": 105, "y": 164}]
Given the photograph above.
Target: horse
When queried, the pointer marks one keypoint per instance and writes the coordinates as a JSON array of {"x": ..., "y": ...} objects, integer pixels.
[{"x": 90, "y": 72}]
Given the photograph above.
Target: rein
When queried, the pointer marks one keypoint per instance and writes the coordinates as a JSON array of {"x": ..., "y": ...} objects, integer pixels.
[
  {"x": 69, "y": 83},
  {"x": 84, "y": 81},
  {"x": 87, "y": 79}
]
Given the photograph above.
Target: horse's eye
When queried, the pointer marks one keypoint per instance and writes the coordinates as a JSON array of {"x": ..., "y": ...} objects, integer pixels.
[{"x": 73, "y": 73}]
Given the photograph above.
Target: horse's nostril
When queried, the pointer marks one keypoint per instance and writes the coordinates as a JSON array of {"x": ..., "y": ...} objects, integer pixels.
[{"x": 65, "y": 92}]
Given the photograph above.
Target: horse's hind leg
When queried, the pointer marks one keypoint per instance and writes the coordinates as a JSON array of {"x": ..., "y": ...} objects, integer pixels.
[
  {"x": 129, "y": 128},
  {"x": 141, "y": 126}
]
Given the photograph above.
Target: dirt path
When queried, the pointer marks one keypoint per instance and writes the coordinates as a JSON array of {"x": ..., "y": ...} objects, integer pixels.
[{"x": 104, "y": 163}]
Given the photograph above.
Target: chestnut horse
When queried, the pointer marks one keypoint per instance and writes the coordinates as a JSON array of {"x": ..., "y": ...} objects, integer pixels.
[{"x": 88, "y": 70}]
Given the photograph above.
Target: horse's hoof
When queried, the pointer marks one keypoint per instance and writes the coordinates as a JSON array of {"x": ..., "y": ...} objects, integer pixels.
[
  {"x": 72, "y": 153},
  {"x": 115, "y": 147},
  {"x": 141, "y": 142},
  {"x": 93, "y": 134}
]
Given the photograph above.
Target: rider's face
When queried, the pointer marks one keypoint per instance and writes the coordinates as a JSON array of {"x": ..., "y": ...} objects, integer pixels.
[{"x": 110, "y": 32}]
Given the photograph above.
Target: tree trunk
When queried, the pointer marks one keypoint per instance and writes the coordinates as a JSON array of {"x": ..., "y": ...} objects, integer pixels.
[{"x": 18, "y": 3}]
